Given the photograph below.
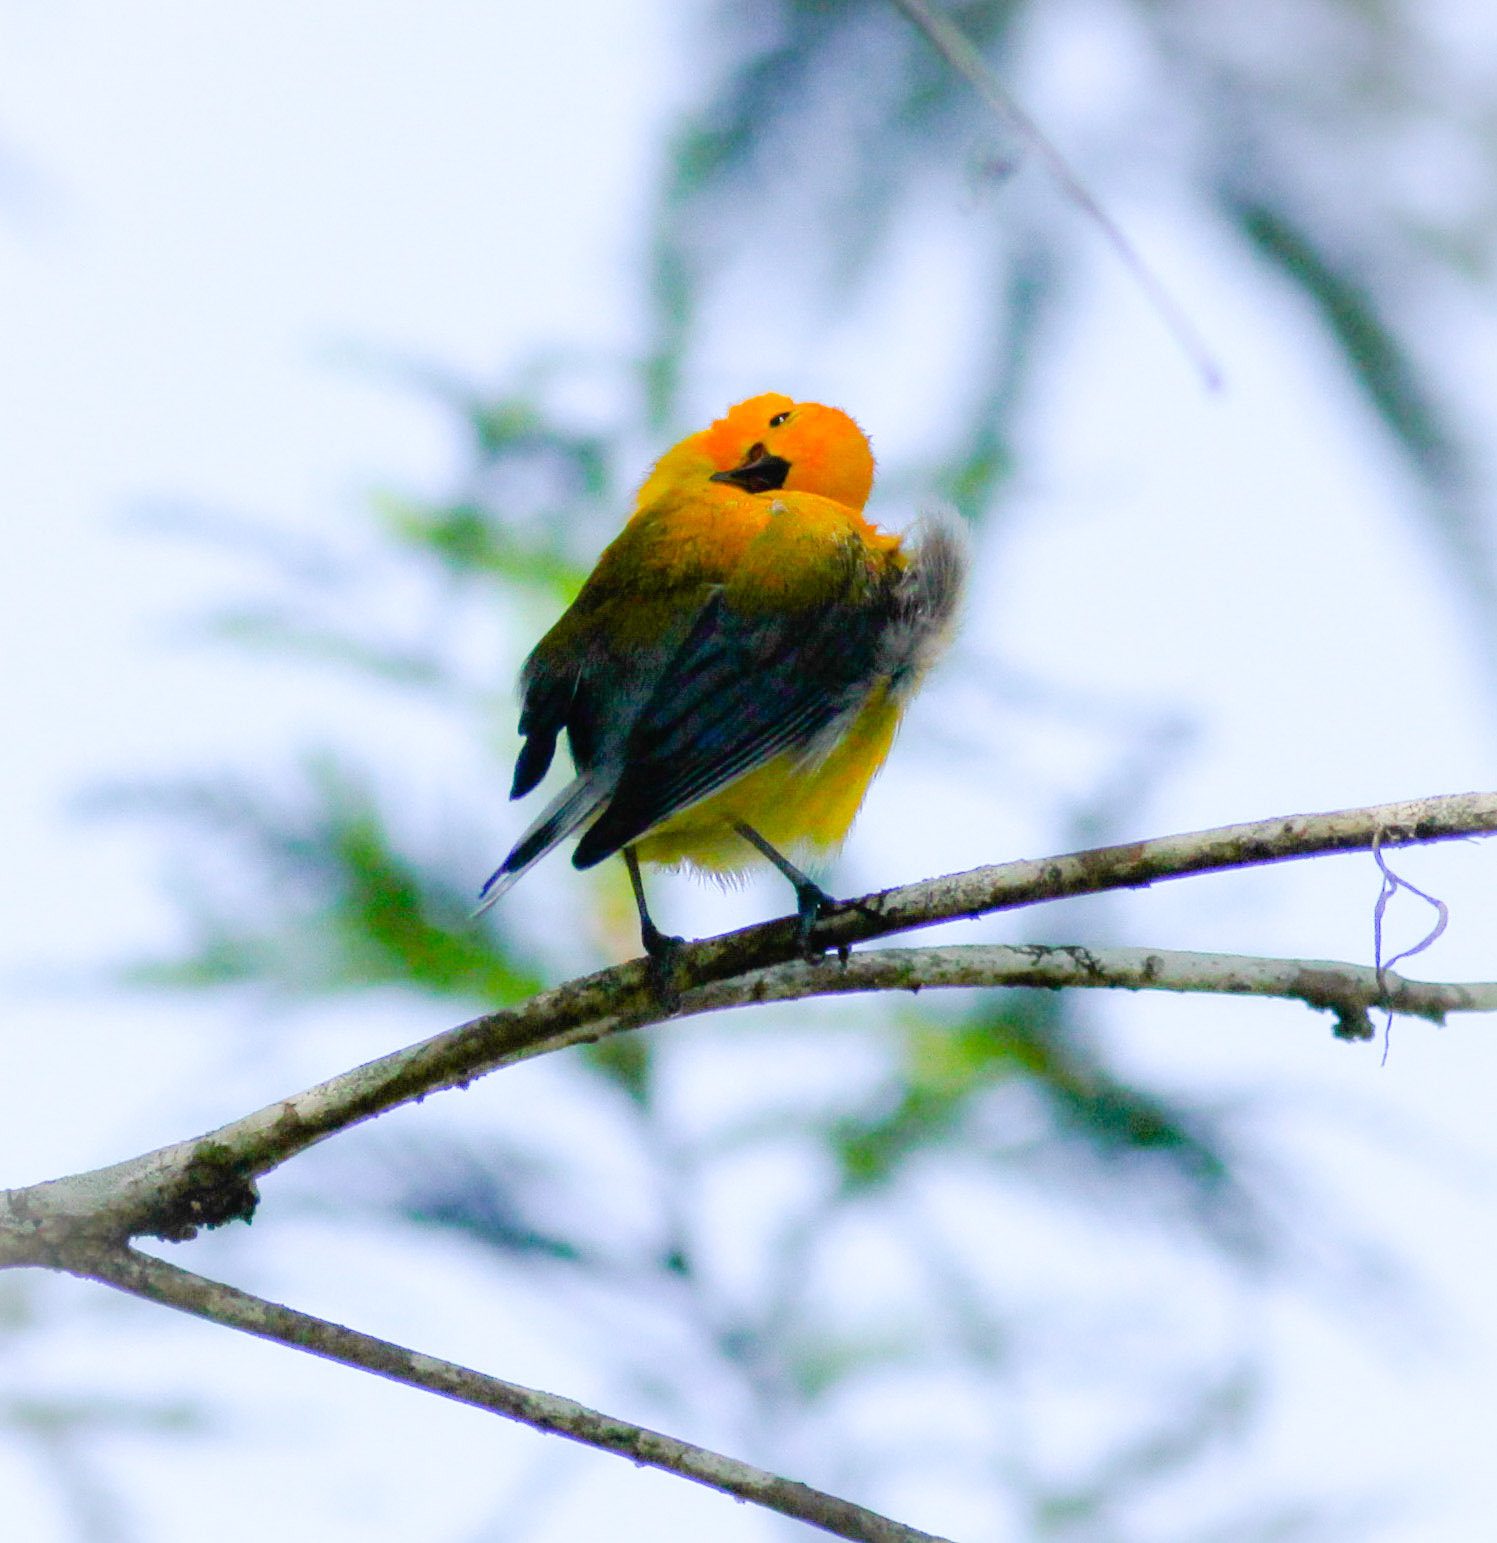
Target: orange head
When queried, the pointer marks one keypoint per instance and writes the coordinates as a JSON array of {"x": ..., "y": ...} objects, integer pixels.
[{"x": 771, "y": 443}]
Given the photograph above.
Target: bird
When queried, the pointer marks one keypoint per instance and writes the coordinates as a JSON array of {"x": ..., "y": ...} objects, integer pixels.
[{"x": 731, "y": 675}]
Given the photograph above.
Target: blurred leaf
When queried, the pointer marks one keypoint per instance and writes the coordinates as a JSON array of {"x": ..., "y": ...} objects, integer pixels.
[
  {"x": 483, "y": 1197},
  {"x": 977, "y": 470},
  {"x": 1379, "y": 362},
  {"x": 627, "y": 1061},
  {"x": 470, "y": 540},
  {"x": 823, "y": 1366},
  {"x": 49, "y": 1418},
  {"x": 1027, "y": 1038},
  {"x": 1206, "y": 1416},
  {"x": 347, "y": 907},
  {"x": 1387, "y": 373},
  {"x": 283, "y": 632}
]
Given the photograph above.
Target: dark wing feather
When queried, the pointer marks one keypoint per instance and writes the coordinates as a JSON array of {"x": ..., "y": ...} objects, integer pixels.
[
  {"x": 740, "y": 690},
  {"x": 590, "y": 676},
  {"x": 547, "y": 697}
]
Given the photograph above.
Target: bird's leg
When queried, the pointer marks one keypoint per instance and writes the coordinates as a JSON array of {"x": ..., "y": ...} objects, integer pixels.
[
  {"x": 811, "y": 900},
  {"x": 661, "y": 947}
]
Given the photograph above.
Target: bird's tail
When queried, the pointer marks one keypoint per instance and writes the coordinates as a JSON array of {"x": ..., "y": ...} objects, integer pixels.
[{"x": 573, "y": 806}]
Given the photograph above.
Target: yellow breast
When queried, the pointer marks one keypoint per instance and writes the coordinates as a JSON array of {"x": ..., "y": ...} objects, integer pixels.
[{"x": 801, "y": 810}]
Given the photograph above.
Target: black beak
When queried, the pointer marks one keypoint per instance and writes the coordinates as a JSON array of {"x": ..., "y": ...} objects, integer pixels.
[{"x": 760, "y": 474}]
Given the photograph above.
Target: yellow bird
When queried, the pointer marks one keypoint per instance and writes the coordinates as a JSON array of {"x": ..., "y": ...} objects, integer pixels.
[{"x": 731, "y": 675}]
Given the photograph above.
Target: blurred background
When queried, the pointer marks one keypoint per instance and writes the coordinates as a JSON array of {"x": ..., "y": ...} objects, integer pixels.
[{"x": 333, "y": 342}]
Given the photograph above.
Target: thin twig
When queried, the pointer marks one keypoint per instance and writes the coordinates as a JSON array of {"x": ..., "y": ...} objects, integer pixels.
[
  {"x": 957, "y": 49},
  {"x": 142, "y": 1275}
]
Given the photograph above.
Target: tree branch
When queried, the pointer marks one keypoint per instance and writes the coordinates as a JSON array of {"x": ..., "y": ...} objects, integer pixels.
[
  {"x": 172, "y": 1192},
  {"x": 154, "y": 1279},
  {"x": 1347, "y": 990}
]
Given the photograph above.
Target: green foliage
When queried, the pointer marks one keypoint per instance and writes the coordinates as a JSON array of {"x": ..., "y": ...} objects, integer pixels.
[
  {"x": 1351, "y": 314},
  {"x": 948, "y": 1072},
  {"x": 454, "y": 1188},
  {"x": 1383, "y": 366},
  {"x": 345, "y": 908},
  {"x": 827, "y": 118},
  {"x": 470, "y": 544},
  {"x": 532, "y": 482},
  {"x": 1345, "y": 89},
  {"x": 628, "y": 1062}
]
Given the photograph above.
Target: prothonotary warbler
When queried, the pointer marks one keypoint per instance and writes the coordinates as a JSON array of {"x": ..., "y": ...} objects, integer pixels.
[{"x": 731, "y": 674}]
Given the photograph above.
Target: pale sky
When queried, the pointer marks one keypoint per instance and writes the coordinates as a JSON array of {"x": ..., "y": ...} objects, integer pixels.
[{"x": 202, "y": 212}]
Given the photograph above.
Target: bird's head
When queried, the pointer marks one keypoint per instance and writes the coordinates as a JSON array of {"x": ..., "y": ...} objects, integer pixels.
[{"x": 771, "y": 444}]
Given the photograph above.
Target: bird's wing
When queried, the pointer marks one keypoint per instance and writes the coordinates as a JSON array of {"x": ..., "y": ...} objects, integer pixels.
[
  {"x": 590, "y": 676},
  {"x": 594, "y": 670},
  {"x": 741, "y": 689},
  {"x": 547, "y": 695}
]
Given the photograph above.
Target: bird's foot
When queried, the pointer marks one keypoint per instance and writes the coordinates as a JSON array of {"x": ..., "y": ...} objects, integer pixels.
[
  {"x": 811, "y": 903},
  {"x": 664, "y": 952}
]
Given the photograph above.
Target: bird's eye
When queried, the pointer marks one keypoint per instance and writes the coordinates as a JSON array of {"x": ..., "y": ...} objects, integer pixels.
[{"x": 778, "y": 419}]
